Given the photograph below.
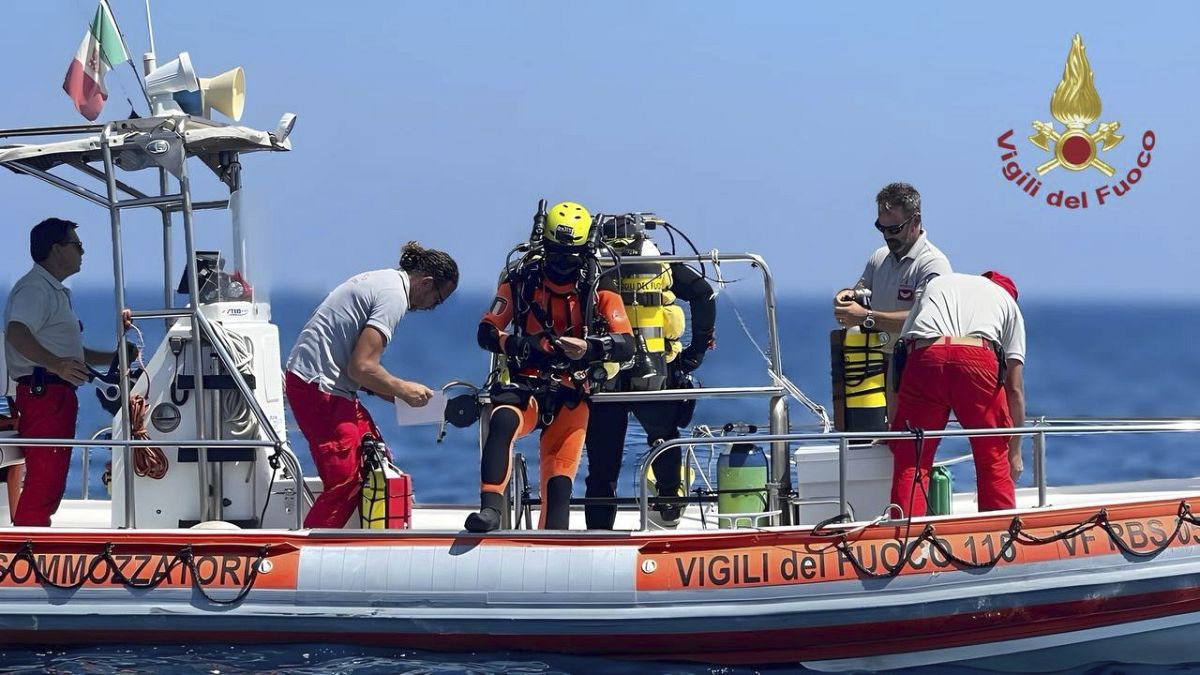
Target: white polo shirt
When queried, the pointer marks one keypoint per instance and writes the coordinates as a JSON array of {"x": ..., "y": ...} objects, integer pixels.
[
  {"x": 43, "y": 304},
  {"x": 967, "y": 305}
]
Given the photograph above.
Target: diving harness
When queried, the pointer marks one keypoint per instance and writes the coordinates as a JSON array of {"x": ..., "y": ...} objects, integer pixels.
[{"x": 533, "y": 362}]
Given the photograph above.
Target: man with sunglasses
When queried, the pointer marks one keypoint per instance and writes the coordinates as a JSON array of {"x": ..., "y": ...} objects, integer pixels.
[
  {"x": 43, "y": 343},
  {"x": 896, "y": 272},
  {"x": 338, "y": 353}
]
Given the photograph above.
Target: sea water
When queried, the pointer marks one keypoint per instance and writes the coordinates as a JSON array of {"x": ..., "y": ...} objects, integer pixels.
[{"x": 1085, "y": 359}]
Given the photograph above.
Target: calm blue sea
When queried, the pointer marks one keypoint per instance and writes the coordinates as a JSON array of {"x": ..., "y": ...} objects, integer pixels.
[{"x": 1085, "y": 359}]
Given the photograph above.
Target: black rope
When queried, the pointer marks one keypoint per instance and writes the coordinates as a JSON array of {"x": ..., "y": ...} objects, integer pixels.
[
  {"x": 919, "y": 448},
  {"x": 247, "y": 583},
  {"x": 1016, "y": 534},
  {"x": 112, "y": 569},
  {"x": 274, "y": 462}
]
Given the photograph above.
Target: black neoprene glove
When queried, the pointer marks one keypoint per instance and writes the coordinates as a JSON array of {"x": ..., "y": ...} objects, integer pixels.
[
  {"x": 520, "y": 346},
  {"x": 691, "y": 357}
]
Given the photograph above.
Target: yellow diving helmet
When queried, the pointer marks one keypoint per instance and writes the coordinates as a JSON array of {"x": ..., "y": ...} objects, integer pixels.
[{"x": 567, "y": 224}]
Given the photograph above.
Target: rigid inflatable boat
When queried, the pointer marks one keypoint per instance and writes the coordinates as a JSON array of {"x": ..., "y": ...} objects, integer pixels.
[{"x": 213, "y": 548}]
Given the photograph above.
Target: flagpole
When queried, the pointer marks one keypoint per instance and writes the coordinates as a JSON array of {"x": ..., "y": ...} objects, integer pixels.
[{"x": 121, "y": 34}]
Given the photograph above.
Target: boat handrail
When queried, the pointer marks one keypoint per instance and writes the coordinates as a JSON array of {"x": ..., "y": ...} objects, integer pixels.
[
  {"x": 66, "y": 129},
  {"x": 843, "y": 439},
  {"x": 1038, "y": 421},
  {"x": 755, "y": 260},
  {"x": 128, "y": 444},
  {"x": 675, "y": 394}
]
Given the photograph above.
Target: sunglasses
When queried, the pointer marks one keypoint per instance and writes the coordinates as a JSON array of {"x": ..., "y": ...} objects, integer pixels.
[
  {"x": 441, "y": 297},
  {"x": 894, "y": 229}
]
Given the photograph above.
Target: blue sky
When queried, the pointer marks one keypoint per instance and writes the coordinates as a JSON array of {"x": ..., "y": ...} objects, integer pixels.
[{"x": 760, "y": 126}]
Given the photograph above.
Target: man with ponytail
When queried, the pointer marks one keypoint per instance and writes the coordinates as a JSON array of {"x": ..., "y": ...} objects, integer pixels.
[{"x": 338, "y": 353}]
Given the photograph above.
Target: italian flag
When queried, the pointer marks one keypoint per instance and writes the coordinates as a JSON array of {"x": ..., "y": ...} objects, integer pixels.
[{"x": 100, "y": 50}]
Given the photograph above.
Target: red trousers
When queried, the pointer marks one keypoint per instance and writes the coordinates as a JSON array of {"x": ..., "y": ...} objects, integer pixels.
[
  {"x": 51, "y": 415},
  {"x": 937, "y": 379},
  {"x": 334, "y": 427}
]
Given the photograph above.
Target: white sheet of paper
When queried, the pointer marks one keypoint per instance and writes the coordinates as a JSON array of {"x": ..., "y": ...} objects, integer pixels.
[{"x": 430, "y": 413}]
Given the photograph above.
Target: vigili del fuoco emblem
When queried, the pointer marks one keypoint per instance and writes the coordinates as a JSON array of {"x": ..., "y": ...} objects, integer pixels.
[{"x": 1075, "y": 104}]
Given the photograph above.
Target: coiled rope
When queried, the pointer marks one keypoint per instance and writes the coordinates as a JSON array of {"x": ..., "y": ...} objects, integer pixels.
[{"x": 150, "y": 462}]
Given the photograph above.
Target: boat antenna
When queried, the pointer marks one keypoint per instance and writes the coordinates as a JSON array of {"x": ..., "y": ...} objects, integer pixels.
[
  {"x": 150, "y": 27},
  {"x": 121, "y": 34}
]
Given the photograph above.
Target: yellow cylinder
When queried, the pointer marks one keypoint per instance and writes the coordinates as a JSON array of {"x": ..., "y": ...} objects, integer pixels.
[{"x": 864, "y": 380}]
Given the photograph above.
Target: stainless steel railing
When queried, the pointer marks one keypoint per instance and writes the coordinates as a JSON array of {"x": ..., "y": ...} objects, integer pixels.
[
  {"x": 1042, "y": 429},
  {"x": 128, "y": 445}
]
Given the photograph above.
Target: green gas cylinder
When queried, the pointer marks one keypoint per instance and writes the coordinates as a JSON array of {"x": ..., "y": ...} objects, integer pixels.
[
  {"x": 741, "y": 484},
  {"x": 941, "y": 491}
]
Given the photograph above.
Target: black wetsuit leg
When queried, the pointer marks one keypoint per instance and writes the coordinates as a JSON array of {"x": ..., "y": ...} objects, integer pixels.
[
  {"x": 605, "y": 447},
  {"x": 658, "y": 419},
  {"x": 497, "y": 448},
  {"x": 494, "y": 468}
]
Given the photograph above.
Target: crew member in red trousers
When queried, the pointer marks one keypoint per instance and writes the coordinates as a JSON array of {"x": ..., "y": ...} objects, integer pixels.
[
  {"x": 965, "y": 352},
  {"x": 44, "y": 349},
  {"x": 338, "y": 353}
]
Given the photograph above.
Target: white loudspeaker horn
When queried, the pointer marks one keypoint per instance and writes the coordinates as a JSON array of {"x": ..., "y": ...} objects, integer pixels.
[
  {"x": 175, "y": 75},
  {"x": 225, "y": 92}
]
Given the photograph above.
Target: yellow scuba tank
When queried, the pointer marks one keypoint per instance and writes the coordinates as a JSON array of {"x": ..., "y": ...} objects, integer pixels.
[
  {"x": 859, "y": 370},
  {"x": 386, "y": 492},
  {"x": 673, "y": 326},
  {"x": 643, "y": 287}
]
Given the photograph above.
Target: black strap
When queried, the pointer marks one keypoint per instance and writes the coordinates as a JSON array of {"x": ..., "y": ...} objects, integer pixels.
[
  {"x": 899, "y": 358},
  {"x": 1001, "y": 363}
]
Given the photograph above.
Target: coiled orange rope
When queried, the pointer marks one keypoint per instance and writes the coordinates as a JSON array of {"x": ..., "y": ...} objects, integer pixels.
[{"x": 149, "y": 462}]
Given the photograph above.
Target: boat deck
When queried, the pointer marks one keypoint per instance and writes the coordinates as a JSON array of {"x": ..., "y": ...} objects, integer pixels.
[{"x": 96, "y": 513}]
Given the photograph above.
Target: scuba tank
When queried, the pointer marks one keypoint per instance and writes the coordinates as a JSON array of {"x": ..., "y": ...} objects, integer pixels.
[
  {"x": 386, "y": 492},
  {"x": 941, "y": 491},
  {"x": 859, "y": 374},
  {"x": 649, "y": 303},
  {"x": 642, "y": 288},
  {"x": 741, "y": 481}
]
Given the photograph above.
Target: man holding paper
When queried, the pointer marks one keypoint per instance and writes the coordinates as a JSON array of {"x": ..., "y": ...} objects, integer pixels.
[{"x": 338, "y": 353}]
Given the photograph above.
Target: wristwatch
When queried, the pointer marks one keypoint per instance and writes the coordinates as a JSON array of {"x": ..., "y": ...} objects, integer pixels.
[{"x": 869, "y": 322}]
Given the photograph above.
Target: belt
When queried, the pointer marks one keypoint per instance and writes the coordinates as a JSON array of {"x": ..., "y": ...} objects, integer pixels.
[
  {"x": 47, "y": 379},
  {"x": 922, "y": 343}
]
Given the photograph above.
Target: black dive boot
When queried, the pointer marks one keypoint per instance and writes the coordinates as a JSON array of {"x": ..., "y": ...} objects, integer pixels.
[{"x": 487, "y": 518}]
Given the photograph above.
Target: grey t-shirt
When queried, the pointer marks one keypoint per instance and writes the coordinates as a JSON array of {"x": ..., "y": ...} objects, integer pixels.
[
  {"x": 965, "y": 305},
  {"x": 323, "y": 348},
  {"x": 43, "y": 304},
  {"x": 895, "y": 283}
]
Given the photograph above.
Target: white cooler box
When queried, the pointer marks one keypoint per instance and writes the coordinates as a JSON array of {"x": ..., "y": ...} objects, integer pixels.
[
  {"x": 10, "y": 455},
  {"x": 868, "y": 481}
]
